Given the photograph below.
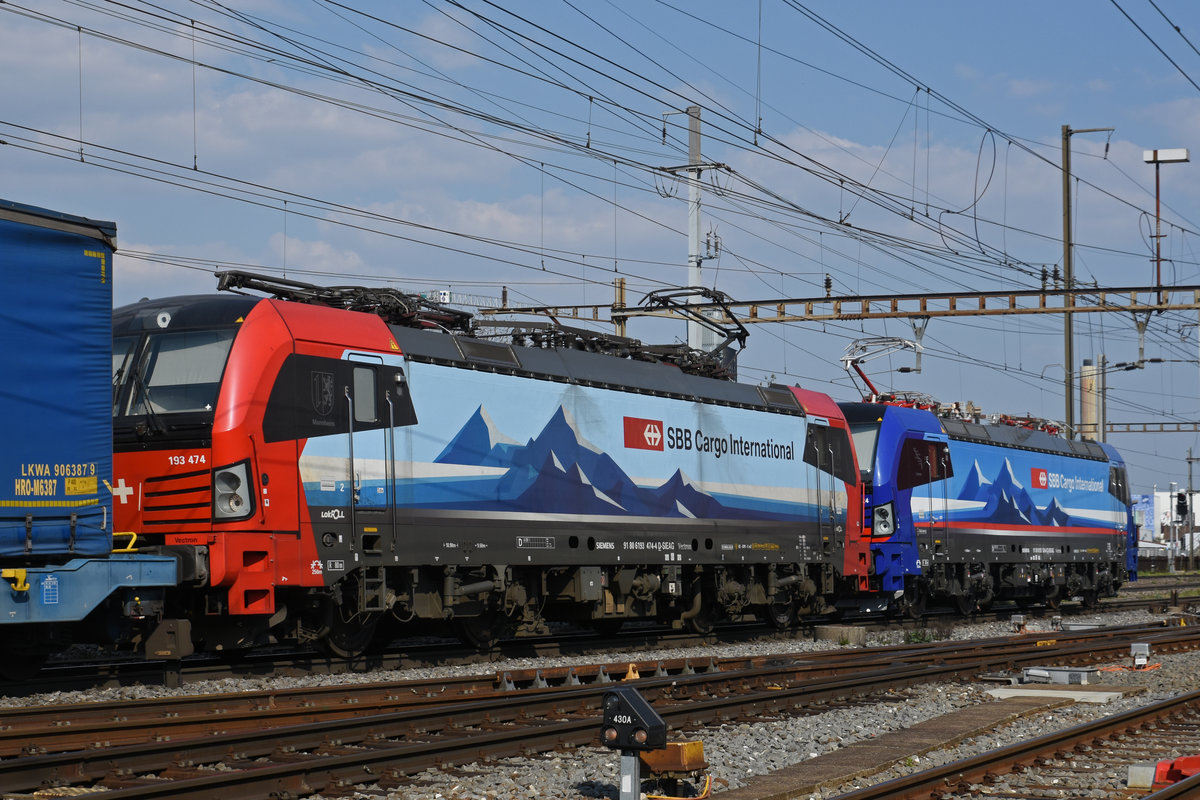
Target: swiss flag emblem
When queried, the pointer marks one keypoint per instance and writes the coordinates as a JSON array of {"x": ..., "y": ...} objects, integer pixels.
[
  {"x": 643, "y": 434},
  {"x": 1040, "y": 479}
]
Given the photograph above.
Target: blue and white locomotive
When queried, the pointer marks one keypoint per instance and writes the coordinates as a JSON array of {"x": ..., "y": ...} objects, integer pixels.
[{"x": 970, "y": 513}]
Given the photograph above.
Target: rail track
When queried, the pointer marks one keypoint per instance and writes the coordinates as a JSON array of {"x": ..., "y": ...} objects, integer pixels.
[
  {"x": 106, "y": 672},
  {"x": 293, "y": 743},
  {"x": 1078, "y": 761}
]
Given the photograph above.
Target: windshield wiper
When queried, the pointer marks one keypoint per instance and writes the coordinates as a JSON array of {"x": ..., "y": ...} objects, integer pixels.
[
  {"x": 119, "y": 374},
  {"x": 153, "y": 421}
]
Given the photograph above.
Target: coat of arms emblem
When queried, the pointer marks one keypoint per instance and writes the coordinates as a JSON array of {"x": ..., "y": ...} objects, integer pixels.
[{"x": 322, "y": 393}]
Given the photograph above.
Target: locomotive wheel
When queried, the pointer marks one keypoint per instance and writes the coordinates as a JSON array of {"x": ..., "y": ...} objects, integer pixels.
[
  {"x": 1053, "y": 598},
  {"x": 486, "y": 630},
  {"x": 912, "y": 603},
  {"x": 350, "y": 639},
  {"x": 964, "y": 604},
  {"x": 702, "y": 623},
  {"x": 701, "y": 615},
  {"x": 704, "y": 619},
  {"x": 781, "y": 615}
]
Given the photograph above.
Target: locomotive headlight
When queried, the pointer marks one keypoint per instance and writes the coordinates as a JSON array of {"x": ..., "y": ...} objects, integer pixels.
[
  {"x": 885, "y": 520},
  {"x": 228, "y": 481},
  {"x": 232, "y": 498}
]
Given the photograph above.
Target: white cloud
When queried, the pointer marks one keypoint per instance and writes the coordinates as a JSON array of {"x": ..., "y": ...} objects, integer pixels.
[
  {"x": 1029, "y": 87},
  {"x": 453, "y": 40},
  {"x": 313, "y": 255},
  {"x": 966, "y": 72}
]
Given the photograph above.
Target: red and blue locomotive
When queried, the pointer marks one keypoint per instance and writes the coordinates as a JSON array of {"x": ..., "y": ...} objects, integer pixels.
[{"x": 337, "y": 457}]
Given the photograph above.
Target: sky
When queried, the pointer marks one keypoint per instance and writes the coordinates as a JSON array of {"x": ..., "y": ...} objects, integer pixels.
[{"x": 529, "y": 151}]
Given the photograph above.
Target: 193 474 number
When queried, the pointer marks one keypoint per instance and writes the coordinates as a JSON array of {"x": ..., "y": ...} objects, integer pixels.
[{"x": 191, "y": 458}]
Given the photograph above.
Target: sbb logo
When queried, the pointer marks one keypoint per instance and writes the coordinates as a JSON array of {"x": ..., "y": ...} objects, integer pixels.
[
  {"x": 643, "y": 434},
  {"x": 1040, "y": 478},
  {"x": 680, "y": 438}
]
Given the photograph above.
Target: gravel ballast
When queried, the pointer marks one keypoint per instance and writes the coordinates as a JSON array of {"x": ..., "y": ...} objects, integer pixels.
[{"x": 736, "y": 753}]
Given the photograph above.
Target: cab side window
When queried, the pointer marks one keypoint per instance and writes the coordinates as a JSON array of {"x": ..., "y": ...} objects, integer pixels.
[{"x": 922, "y": 462}]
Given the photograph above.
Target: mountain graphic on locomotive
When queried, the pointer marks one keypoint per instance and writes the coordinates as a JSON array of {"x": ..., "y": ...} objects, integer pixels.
[
  {"x": 318, "y": 470},
  {"x": 931, "y": 512},
  {"x": 323, "y": 466}
]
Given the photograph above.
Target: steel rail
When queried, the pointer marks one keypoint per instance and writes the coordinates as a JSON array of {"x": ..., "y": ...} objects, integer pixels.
[
  {"x": 58, "y": 728},
  {"x": 333, "y": 754},
  {"x": 115, "y": 672},
  {"x": 1183, "y": 790},
  {"x": 81, "y": 726},
  {"x": 956, "y": 777}
]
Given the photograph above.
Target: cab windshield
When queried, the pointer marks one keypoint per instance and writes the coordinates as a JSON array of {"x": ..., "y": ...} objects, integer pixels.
[
  {"x": 172, "y": 372},
  {"x": 865, "y": 436}
]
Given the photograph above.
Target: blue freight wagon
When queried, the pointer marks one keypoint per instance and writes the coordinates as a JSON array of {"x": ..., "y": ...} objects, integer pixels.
[
  {"x": 56, "y": 343},
  {"x": 56, "y": 542}
]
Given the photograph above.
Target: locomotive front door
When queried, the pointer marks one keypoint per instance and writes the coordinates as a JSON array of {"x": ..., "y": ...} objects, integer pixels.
[
  {"x": 377, "y": 403},
  {"x": 924, "y": 467},
  {"x": 827, "y": 452},
  {"x": 366, "y": 440}
]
